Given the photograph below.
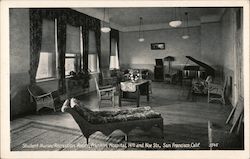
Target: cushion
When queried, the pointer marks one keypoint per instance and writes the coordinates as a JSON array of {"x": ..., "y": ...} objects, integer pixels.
[
  {"x": 99, "y": 117},
  {"x": 65, "y": 105}
]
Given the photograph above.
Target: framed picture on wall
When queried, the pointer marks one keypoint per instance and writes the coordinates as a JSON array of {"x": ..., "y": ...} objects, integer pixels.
[{"x": 158, "y": 46}]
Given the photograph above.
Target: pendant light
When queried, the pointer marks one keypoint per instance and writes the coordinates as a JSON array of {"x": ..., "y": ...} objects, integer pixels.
[
  {"x": 141, "y": 38},
  {"x": 186, "y": 30},
  {"x": 176, "y": 22},
  {"x": 105, "y": 28}
]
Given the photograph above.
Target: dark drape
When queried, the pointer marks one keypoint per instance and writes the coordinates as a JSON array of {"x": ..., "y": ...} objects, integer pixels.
[
  {"x": 85, "y": 41},
  {"x": 61, "y": 35},
  {"x": 64, "y": 16},
  {"x": 35, "y": 42},
  {"x": 98, "y": 45},
  {"x": 94, "y": 25}
]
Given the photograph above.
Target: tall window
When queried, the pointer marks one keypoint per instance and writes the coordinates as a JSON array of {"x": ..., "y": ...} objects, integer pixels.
[
  {"x": 72, "y": 62},
  {"x": 114, "y": 61},
  {"x": 73, "y": 56},
  {"x": 46, "y": 67},
  {"x": 114, "y": 50},
  {"x": 93, "y": 61},
  {"x": 48, "y": 55}
]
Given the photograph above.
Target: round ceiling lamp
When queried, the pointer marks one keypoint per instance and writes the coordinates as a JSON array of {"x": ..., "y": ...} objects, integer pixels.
[
  {"x": 105, "y": 27},
  {"x": 185, "y": 36},
  {"x": 176, "y": 22},
  {"x": 186, "y": 31},
  {"x": 141, "y": 38}
]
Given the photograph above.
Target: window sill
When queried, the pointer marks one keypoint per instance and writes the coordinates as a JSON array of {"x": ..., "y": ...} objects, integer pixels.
[
  {"x": 93, "y": 73},
  {"x": 46, "y": 80}
]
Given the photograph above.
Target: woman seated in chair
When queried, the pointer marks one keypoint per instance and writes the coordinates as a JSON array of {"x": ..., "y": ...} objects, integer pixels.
[{"x": 201, "y": 86}]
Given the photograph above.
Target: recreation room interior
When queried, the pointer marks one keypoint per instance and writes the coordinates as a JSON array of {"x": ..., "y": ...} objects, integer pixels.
[{"x": 172, "y": 76}]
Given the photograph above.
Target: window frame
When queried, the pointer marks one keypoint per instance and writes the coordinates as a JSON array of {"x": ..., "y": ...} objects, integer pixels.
[
  {"x": 55, "y": 75},
  {"x": 78, "y": 57}
]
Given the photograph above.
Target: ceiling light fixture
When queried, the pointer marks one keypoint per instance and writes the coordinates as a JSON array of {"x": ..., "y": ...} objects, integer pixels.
[
  {"x": 141, "y": 38},
  {"x": 175, "y": 21},
  {"x": 105, "y": 27},
  {"x": 186, "y": 30}
]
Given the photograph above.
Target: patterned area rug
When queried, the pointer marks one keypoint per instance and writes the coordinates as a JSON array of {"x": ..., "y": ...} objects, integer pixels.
[{"x": 36, "y": 136}]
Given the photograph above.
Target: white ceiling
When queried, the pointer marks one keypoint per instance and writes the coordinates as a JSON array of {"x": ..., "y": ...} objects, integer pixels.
[{"x": 127, "y": 19}]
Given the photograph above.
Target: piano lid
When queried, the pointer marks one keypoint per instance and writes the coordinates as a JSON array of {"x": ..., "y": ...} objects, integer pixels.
[{"x": 208, "y": 69}]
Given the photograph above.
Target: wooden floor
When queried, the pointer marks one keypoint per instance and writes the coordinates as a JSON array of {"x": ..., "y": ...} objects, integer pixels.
[{"x": 185, "y": 115}]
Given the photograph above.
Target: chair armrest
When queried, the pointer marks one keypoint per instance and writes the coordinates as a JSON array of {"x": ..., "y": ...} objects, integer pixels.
[
  {"x": 106, "y": 86},
  {"x": 108, "y": 89},
  {"x": 213, "y": 85},
  {"x": 44, "y": 95}
]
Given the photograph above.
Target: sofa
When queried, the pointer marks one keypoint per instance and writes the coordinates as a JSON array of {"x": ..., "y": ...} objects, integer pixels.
[{"x": 108, "y": 121}]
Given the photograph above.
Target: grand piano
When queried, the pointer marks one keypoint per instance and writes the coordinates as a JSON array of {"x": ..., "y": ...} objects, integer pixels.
[
  {"x": 201, "y": 70},
  {"x": 197, "y": 74}
]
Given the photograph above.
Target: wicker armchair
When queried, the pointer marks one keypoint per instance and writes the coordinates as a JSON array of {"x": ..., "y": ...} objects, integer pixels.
[
  {"x": 41, "y": 98},
  {"x": 216, "y": 92}
]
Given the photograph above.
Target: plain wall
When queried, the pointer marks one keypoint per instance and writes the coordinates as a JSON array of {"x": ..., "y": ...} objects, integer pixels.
[
  {"x": 211, "y": 43},
  {"x": 137, "y": 54},
  {"x": 227, "y": 29},
  {"x": 228, "y": 52},
  {"x": 19, "y": 61}
]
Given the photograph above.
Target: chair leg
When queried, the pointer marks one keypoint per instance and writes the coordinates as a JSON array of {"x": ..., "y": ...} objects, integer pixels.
[
  {"x": 87, "y": 140},
  {"x": 99, "y": 99},
  {"x": 223, "y": 100},
  {"x": 208, "y": 96},
  {"x": 126, "y": 137},
  {"x": 99, "y": 103},
  {"x": 113, "y": 98}
]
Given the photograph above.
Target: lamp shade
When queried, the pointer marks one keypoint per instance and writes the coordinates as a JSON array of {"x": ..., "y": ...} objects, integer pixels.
[
  {"x": 141, "y": 39},
  {"x": 185, "y": 36},
  {"x": 105, "y": 29},
  {"x": 175, "y": 23},
  {"x": 186, "y": 31}
]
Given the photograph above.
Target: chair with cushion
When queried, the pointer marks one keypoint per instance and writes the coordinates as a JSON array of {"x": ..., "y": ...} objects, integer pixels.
[
  {"x": 229, "y": 136},
  {"x": 200, "y": 85},
  {"x": 102, "y": 91},
  {"x": 42, "y": 98},
  {"x": 216, "y": 92}
]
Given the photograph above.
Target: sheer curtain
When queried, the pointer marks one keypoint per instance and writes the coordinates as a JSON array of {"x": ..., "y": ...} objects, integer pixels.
[
  {"x": 93, "y": 58},
  {"x": 114, "y": 49},
  {"x": 114, "y": 60}
]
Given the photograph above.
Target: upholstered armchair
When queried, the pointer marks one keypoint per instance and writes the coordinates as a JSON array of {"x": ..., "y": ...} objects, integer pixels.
[
  {"x": 42, "y": 98},
  {"x": 200, "y": 85}
]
